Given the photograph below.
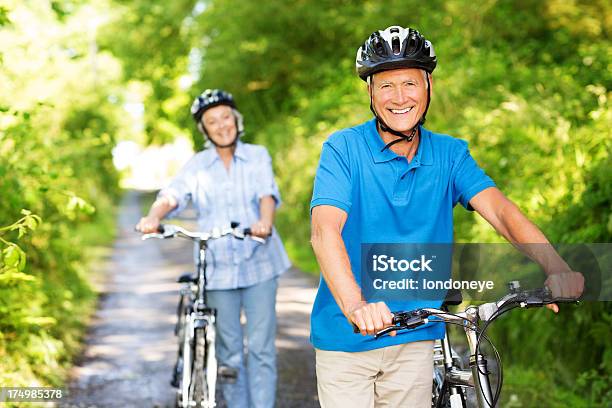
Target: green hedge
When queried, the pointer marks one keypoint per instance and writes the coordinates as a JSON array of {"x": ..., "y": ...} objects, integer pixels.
[{"x": 58, "y": 186}]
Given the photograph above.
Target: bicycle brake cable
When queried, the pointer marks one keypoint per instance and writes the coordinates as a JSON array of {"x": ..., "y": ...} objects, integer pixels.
[{"x": 481, "y": 334}]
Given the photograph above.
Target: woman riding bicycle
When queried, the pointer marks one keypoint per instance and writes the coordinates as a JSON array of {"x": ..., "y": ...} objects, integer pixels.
[{"x": 233, "y": 181}]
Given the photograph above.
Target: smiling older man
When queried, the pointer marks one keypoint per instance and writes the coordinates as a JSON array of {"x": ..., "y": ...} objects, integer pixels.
[{"x": 390, "y": 180}]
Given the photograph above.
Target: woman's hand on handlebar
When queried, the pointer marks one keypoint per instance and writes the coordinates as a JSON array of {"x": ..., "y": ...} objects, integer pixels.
[
  {"x": 148, "y": 224},
  {"x": 370, "y": 318},
  {"x": 261, "y": 229}
]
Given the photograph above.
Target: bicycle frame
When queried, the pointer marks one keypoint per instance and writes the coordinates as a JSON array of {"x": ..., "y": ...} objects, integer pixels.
[
  {"x": 202, "y": 317},
  {"x": 454, "y": 377}
]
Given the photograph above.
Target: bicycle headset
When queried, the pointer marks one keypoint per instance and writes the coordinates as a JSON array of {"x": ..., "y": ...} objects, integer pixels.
[
  {"x": 209, "y": 99},
  {"x": 392, "y": 48}
]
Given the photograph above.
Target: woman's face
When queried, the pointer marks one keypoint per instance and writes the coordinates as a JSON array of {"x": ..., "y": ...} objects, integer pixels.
[{"x": 220, "y": 125}]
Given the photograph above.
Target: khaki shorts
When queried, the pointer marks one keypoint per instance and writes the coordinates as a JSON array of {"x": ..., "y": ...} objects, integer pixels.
[{"x": 395, "y": 376}]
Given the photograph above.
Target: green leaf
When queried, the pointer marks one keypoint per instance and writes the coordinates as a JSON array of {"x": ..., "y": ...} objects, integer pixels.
[
  {"x": 41, "y": 321},
  {"x": 31, "y": 222},
  {"x": 4, "y": 19},
  {"x": 13, "y": 275},
  {"x": 11, "y": 255}
]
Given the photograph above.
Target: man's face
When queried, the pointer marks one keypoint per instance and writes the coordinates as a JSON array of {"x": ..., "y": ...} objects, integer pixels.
[
  {"x": 399, "y": 97},
  {"x": 220, "y": 124}
]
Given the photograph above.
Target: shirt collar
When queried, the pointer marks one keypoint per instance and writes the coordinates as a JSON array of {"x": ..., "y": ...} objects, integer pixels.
[
  {"x": 424, "y": 154},
  {"x": 211, "y": 155}
]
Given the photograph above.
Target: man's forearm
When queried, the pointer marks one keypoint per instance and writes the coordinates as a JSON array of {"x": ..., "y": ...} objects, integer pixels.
[
  {"x": 336, "y": 269},
  {"x": 527, "y": 237}
]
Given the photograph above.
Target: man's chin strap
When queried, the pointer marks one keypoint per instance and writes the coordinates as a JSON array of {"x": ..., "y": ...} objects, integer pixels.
[{"x": 401, "y": 136}]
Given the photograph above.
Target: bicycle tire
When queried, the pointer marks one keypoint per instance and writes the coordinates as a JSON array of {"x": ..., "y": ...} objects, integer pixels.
[
  {"x": 180, "y": 317},
  {"x": 179, "y": 332},
  {"x": 438, "y": 391},
  {"x": 188, "y": 359},
  {"x": 443, "y": 399},
  {"x": 199, "y": 388}
]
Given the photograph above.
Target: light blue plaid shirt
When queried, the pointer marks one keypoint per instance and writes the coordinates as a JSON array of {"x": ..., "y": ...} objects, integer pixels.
[{"x": 220, "y": 197}]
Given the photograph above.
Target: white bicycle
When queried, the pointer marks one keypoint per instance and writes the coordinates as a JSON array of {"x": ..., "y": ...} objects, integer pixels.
[{"x": 196, "y": 370}]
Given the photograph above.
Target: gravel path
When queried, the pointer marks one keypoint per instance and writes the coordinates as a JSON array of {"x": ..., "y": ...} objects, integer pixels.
[{"x": 131, "y": 348}]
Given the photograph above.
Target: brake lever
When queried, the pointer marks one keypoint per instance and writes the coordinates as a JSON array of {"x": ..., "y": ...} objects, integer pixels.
[
  {"x": 388, "y": 330},
  {"x": 144, "y": 237},
  {"x": 258, "y": 239},
  {"x": 542, "y": 297}
]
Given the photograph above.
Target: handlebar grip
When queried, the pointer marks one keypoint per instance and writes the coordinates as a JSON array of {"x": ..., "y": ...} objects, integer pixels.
[{"x": 161, "y": 228}]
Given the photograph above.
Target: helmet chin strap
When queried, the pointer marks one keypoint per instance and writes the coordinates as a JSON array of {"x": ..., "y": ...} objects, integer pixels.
[{"x": 401, "y": 136}]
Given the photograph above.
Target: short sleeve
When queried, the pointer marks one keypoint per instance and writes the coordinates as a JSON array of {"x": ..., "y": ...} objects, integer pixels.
[
  {"x": 182, "y": 187},
  {"x": 468, "y": 178},
  {"x": 332, "y": 185},
  {"x": 266, "y": 185}
]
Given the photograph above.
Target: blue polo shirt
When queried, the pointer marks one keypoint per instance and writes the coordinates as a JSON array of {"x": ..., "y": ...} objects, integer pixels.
[{"x": 389, "y": 200}]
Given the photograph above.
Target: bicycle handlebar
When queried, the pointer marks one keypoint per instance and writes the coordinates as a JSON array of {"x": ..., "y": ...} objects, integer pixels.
[
  {"x": 166, "y": 231},
  {"x": 403, "y": 320}
]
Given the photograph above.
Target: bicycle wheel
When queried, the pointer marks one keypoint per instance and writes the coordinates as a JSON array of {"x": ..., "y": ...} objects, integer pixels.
[
  {"x": 199, "y": 390},
  {"x": 188, "y": 362},
  {"x": 438, "y": 393},
  {"x": 180, "y": 317},
  {"x": 179, "y": 331}
]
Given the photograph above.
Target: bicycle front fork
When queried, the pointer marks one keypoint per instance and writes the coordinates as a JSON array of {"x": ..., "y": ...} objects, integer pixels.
[
  {"x": 211, "y": 359},
  {"x": 480, "y": 373}
]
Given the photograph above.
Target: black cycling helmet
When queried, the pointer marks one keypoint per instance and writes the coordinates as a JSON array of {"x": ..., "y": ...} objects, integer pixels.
[
  {"x": 392, "y": 48},
  {"x": 209, "y": 99}
]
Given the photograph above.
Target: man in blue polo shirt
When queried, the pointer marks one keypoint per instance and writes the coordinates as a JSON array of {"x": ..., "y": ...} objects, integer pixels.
[{"x": 390, "y": 180}]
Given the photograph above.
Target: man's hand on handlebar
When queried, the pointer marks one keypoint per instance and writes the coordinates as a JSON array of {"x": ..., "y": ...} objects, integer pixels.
[
  {"x": 148, "y": 224},
  {"x": 370, "y": 318},
  {"x": 564, "y": 285}
]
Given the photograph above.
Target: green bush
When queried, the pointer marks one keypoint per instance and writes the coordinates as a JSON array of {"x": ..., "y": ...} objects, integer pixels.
[{"x": 57, "y": 128}]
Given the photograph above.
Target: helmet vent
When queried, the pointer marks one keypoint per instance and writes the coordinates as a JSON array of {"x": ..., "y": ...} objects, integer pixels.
[
  {"x": 379, "y": 47},
  {"x": 411, "y": 47},
  {"x": 395, "y": 42}
]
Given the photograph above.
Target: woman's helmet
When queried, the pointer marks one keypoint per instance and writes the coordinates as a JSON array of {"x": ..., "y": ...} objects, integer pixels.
[
  {"x": 211, "y": 98},
  {"x": 392, "y": 48}
]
